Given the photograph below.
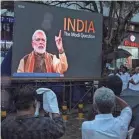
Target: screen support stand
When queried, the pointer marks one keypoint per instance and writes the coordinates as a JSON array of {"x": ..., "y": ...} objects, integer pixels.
[
  {"x": 81, "y": 99},
  {"x": 70, "y": 97}
]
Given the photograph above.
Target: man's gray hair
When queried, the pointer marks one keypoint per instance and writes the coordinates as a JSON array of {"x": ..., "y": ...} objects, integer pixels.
[
  {"x": 38, "y": 31},
  {"x": 104, "y": 98}
]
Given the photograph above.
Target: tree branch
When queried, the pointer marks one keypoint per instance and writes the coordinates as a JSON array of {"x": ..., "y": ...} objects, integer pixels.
[
  {"x": 116, "y": 12},
  {"x": 95, "y": 6},
  {"x": 58, "y": 3},
  {"x": 110, "y": 19},
  {"x": 130, "y": 14},
  {"x": 120, "y": 28},
  {"x": 101, "y": 7},
  {"x": 125, "y": 36},
  {"x": 83, "y": 8},
  {"x": 87, "y": 3}
]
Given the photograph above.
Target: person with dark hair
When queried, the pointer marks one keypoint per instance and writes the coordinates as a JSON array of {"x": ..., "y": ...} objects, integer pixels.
[
  {"x": 132, "y": 72},
  {"x": 105, "y": 126},
  {"x": 121, "y": 68},
  {"x": 102, "y": 83},
  {"x": 114, "y": 83},
  {"x": 116, "y": 71},
  {"x": 124, "y": 77},
  {"x": 25, "y": 125},
  {"x": 134, "y": 82}
]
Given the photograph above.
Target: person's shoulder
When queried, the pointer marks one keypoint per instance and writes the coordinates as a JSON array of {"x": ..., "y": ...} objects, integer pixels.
[
  {"x": 47, "y": 122},
  {"x": 8, "y": 121},
  {"x": 127, "y": 110},
  {"x": 44, "y": 119},
  {"x": 26, "y": 56},
  {"x": 86, "y": 124},
  {"x": 50, "y": 55},
  {"x": 127, "y": 74},
  {"x": 125, "y": 113}
]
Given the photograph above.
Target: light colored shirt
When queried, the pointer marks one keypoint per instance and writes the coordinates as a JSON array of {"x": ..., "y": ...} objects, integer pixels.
[
  {"x": 111, "y": 74},
  {"x": 135, "y": 77},
  {"x": 105, "y": 126},
  {"x": 125, "y": 77},
  {"x": 108, "y": 65},
  {"x": 118, "y": 74}
]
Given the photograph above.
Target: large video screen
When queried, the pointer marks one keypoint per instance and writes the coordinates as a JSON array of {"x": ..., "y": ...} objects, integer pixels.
[{"x": 56, "y": 42}]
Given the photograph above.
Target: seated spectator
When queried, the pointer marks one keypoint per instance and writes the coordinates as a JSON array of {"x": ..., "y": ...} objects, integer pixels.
[
  {"x": 105, "y": 126},
  {"x": 136, "y": 133},
  {"x": 25, "y": 125}
]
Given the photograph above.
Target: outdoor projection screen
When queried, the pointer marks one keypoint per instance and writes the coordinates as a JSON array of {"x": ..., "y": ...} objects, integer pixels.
[{"x": 81, "y": 35}]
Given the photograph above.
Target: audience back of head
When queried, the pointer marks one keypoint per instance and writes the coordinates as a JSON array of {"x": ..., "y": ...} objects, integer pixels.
[
  {"x": 24, "y": 97},
  {"x": 112, "y": 82},
  {"x": 104, "y": 100}
]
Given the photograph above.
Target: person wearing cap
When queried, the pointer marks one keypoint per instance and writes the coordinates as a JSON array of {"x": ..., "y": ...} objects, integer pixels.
[
  {"x": 105, "y": 126},
  {"x": 39, "y": 60}
]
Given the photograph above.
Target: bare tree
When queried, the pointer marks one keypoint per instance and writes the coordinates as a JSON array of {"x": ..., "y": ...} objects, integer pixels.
[{"x": 119, "y": 18}]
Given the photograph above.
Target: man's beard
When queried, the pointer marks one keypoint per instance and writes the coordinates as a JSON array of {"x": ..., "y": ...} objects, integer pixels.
[{"x": 39, "y": 50}]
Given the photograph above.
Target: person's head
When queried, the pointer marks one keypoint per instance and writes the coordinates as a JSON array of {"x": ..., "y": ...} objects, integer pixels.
[
  {"x": 137, "y": 70},
  {"x": 114, "y": 83},
  {"x": 116, "y": 70},
  {"x": 102, "y": 83},
  {"x": 39, "y": 41},
  {"x": 124, "y": 69},
  {"x": 132, "y": 72},
  {"x": 24, "y": 98},
  {"x": 104, "y": 100},
  {"x": 121, "y": 67}
]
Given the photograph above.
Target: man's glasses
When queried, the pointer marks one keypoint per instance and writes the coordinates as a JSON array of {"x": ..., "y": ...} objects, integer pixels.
[{"x": 39, "y": 39}]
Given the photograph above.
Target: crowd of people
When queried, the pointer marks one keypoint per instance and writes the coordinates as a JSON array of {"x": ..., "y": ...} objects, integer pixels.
[
  {"x": 130, "y": 78},
  {"x": 110, "y": 117}
]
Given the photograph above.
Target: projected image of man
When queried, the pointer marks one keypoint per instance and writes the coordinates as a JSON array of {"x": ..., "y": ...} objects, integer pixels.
[{"x": 39, "y": 60}]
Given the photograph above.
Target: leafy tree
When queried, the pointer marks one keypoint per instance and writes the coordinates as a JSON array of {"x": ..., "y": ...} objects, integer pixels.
[
  {"x": 115, "y": 25},
  {"x": 118, "y": 21}
]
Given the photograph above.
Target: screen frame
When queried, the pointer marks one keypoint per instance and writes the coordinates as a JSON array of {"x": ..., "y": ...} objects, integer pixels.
[{"x": 57, "y": 79}]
